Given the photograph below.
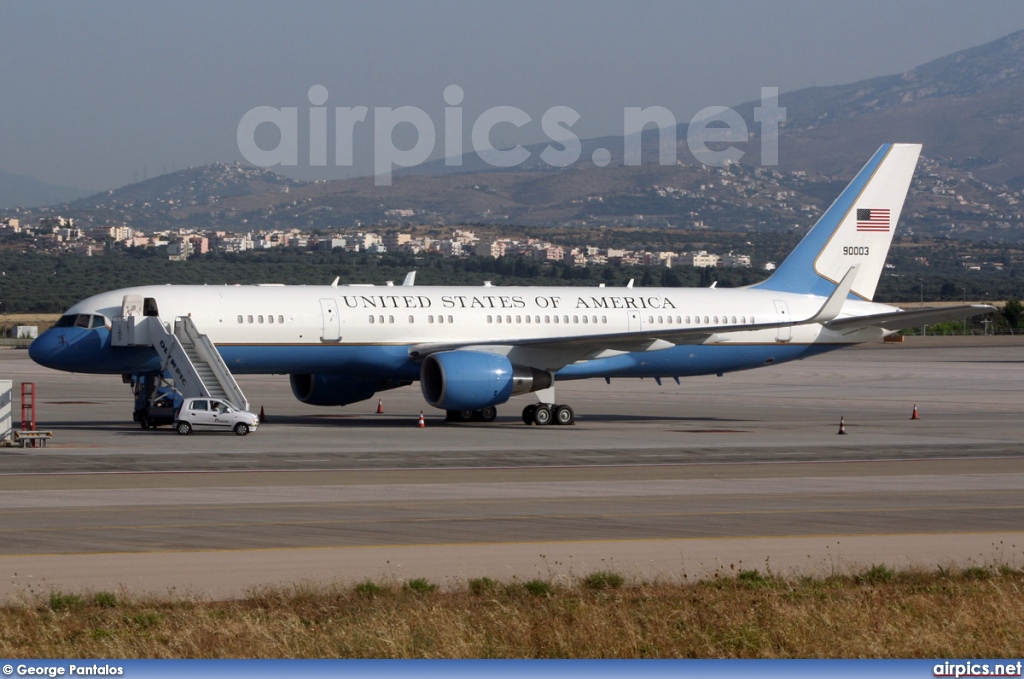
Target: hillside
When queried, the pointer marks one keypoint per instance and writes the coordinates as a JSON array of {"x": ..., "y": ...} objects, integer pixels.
[
  {"x": 964, "y": 108},
  {"x": 17, "y": 189}
]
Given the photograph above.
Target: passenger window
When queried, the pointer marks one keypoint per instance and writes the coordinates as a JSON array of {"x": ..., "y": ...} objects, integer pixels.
[
  {"x": 411, "y": 319},
  {"x": 259, "y": 319},
  {"x": 391, "y": 319},
  {"x": 508, "y": 319},
  {"x": 706, "y": 321},
  {"x": 584, "y": 319},
  {"x": 490, "y": 319},
  {"x": 270, "y": 319},
  {"x": 575, "y": 319},
  {"x": 250, "y": 319},
  {"x": 430, "y": 318},
  {"x": 450, "y": 319},
  {"x": 527, "y": 318},
  {"x": 556, "y": 319},
  {"x": 497, "y": 319},
  {"x": 519, "y": 319},
  {"x": 650, "y": 319},
  {"x": 372, "y": 319},
  {"x": 280, "y": 319},
  {"x": 604, "y": 319},
  {"x": 380, "y": 319}
]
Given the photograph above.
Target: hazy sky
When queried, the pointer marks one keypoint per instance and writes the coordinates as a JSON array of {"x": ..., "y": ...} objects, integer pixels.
[{"x": 93, "y": 93}]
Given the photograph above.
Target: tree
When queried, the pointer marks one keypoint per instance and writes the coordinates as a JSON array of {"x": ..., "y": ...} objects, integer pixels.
[{"x": 1013, "y": 311}]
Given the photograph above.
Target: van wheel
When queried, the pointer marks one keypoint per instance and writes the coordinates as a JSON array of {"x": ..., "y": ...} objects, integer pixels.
[
  {"x": 184, "y": 428},
  {"x": 241, "y": 429}
]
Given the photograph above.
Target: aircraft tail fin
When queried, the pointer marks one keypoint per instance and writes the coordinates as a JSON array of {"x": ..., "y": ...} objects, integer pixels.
[{"x": 857, "y": 229}]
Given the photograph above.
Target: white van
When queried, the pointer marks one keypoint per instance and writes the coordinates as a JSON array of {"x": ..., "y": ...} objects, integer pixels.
[{"x": 211, "y": 413}]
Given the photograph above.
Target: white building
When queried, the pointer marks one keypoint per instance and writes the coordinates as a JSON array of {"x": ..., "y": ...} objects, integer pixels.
[{"x": 703, "y": 259}]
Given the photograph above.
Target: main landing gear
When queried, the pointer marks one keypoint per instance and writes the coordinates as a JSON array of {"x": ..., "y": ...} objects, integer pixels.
[
  {"x": 543, "y": 413},
  {"x": 536, "y": 413}
]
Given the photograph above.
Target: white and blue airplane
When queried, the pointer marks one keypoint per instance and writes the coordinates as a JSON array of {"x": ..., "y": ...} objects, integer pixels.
[{"x": 473, "y": 348}]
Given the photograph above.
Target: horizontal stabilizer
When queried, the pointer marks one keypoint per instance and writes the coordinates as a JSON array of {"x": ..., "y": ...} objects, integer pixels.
[{"x": 898, "y": 320}]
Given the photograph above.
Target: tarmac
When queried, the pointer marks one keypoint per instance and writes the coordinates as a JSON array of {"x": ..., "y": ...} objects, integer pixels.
[{"x": 662, "y": 481}]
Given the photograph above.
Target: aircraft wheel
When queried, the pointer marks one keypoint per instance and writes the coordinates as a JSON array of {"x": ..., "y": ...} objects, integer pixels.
[
  {"x": 487, "y": 414},
  {"x": 184, "y": 428},
  {"x": 542, "y": 415},
  {"x": 452, "y": 416},
  {"x": 528, "y": 412},
  {"x": 564, "y": 415},
  {"x": 241, "y": 429}
]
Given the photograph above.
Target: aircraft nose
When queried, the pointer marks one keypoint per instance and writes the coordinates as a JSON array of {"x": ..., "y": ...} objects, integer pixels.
[{"x": 56, "y": 348}]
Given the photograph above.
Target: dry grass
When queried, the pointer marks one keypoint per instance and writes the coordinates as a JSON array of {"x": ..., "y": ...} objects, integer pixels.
[{"x": 878, "y": 613}]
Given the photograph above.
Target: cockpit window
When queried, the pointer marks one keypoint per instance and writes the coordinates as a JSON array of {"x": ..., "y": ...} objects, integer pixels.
[{"x": 80, "y": 321}]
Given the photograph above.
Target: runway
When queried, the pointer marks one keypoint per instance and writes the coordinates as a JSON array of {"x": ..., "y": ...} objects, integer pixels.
[{"x": 671, "y": 481}]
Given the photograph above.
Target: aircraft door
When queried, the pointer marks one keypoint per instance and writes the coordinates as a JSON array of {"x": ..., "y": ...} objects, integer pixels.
[
  {"x": 634, "y": 321},
  {"x": 785, "y": 333},
  {"x": 131, "y": 305},
  {"x": 332, "y": 320}
]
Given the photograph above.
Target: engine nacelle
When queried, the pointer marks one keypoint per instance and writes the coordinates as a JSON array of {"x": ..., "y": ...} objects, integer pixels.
[
  {"x": 470, "y": 380},
  {"x": 337, "y": 390}
]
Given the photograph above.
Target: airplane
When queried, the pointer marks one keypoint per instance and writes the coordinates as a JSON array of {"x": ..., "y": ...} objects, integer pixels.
[{"x": 473, "y": 348}]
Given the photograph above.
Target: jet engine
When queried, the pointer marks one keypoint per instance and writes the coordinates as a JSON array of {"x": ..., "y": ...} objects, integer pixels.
[{"x": 470, "y": 380}]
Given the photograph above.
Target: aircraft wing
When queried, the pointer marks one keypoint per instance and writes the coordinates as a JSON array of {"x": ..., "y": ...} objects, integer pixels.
[{"x": 898, "y": 320}]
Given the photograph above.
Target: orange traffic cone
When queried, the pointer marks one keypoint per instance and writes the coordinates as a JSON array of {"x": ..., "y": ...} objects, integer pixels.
[
  {"x": 380, "y": 407},
  {"x": 263, "y": 416},
  {"x": 422, "y": 421},
  {"x": 842, "y": 425},
  {"x": 915, "y": 416}
]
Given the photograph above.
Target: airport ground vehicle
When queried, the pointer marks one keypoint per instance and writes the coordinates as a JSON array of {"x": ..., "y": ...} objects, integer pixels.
[
  {"x": 209, "y": 413},
  {"x": 162, "y": 411}
]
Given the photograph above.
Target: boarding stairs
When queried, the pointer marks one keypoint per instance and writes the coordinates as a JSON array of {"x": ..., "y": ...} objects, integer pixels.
[{"x": 189, "y": 358}]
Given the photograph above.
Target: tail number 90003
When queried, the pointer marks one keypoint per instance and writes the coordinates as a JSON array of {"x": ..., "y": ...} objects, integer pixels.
[{"x": 859, "y": 250}]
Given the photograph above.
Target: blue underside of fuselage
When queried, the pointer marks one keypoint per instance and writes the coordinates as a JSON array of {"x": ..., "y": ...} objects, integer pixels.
[{"x": 89, "y": 351}]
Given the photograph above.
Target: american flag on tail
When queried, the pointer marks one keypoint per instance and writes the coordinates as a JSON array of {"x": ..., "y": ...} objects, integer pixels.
[{"x": 873, "y": 219}]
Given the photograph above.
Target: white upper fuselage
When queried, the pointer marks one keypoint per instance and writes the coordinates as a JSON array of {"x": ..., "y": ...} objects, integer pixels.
[{"x": 377, "y": 315}]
